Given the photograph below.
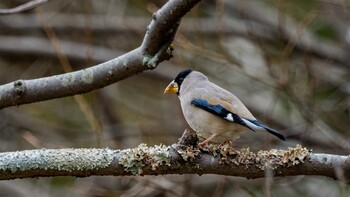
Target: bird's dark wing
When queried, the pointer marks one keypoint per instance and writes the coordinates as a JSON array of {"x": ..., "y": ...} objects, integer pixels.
[{"x": 220, "y": 111}]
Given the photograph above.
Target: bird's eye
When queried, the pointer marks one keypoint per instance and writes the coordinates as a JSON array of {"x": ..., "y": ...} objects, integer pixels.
[{"x": 179, "y": 80}]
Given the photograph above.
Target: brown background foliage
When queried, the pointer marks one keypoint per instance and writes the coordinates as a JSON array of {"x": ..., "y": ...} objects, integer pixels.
[{"x": 288, "y": 61}]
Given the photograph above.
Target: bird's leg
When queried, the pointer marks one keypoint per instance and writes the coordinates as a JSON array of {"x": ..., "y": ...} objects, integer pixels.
[
  {"x": 225, "y": 144},
  {"x": 205, "y": 142}
]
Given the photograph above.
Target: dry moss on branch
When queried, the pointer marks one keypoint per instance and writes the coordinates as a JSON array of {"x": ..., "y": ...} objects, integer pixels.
[
  {"x": 263, "y": 159},
  {"x": 134, "y": 160}
]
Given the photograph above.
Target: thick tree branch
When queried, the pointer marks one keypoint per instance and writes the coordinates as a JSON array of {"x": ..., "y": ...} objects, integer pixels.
[
  {"x": 78, "y": 82},
  {"x": 160, "y": 33},
  {"x": 154, "y": 49},
  {"x": 180, "y": 158}
]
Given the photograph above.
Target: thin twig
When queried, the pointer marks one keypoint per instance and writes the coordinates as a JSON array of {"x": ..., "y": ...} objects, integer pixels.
[{"x": 23, "y": 7}]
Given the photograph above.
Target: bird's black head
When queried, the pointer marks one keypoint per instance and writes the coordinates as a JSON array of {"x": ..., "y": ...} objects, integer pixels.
[{"x": 180, "y": 78}]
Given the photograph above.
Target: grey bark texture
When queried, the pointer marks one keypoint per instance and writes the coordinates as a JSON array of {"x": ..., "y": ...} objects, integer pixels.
[{"x": 160, "y": 160}]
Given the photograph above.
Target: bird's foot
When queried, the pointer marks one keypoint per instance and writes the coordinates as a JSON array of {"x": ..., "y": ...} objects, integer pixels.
[
  {"x": 225, "y": 144},
  {"x": 204, "y": 144}
]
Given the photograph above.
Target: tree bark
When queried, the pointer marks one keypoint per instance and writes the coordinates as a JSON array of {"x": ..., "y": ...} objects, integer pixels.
[{"x": 161, "y": 160}]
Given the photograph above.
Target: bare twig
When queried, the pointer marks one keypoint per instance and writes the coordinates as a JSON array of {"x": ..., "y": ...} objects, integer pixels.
[
  {"x": 43, "y": 47},
  {"x": 23, "y": 7}
]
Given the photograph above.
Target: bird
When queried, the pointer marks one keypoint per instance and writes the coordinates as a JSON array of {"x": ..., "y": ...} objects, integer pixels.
[{"x": 214, "y": 113}]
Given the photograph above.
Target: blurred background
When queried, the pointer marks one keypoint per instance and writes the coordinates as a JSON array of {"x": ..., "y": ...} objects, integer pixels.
[{"x": 288, "y": 61}]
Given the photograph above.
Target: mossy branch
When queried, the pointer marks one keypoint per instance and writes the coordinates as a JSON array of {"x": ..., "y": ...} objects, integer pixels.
[{"x": 180, "y": 158}]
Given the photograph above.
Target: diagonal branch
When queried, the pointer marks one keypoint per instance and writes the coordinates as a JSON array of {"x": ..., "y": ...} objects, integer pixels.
[
  {"x": 160, "y": 33},
  {"x": 154, "y": 49}
]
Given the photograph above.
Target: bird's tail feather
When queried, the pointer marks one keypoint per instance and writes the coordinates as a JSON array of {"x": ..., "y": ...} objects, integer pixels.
[
  {"x": 255, "y": 124},
  {"x": 275, "y": 133}
]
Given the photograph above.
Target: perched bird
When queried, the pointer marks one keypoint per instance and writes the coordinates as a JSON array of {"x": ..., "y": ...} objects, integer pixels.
[{"x": 214, "y": 113}]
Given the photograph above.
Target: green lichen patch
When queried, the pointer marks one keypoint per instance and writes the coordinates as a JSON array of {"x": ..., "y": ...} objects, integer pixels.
[
  {"x": 87, "y": 76},
  {"x": 159, "y": 155},
  {"x": 56, "y": 159},
  {"x": 68, "y": 79},
  {"x": 150, "y": 61},
  {"x": 133, "y": 160}
]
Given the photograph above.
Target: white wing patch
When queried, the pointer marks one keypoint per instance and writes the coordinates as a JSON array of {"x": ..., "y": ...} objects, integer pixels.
[{"x": 229, "y": 117}]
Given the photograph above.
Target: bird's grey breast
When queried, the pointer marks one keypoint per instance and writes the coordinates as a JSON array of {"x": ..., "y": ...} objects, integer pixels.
[{"x": 193, "y": 115}]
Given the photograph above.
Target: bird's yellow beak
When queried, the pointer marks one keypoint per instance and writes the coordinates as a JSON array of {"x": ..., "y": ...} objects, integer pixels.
[{"x": 172, "y": 88}]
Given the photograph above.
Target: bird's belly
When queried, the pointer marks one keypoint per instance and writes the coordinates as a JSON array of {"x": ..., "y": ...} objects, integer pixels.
[{"x": 206, "y": 124}]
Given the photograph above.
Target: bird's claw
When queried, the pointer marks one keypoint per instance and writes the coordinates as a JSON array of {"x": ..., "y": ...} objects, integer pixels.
[{"x": 203, "y": 144}]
